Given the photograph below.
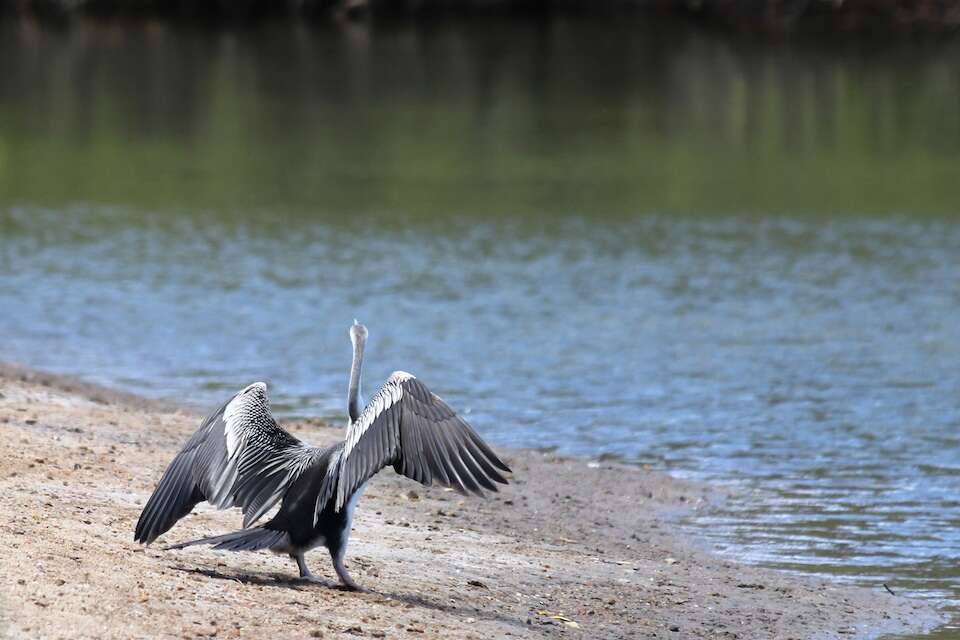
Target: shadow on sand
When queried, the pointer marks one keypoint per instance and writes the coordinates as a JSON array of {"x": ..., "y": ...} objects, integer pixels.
[{"x": 295, "y": 583}]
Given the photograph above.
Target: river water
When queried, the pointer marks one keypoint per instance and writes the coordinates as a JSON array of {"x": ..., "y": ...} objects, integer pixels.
[{"x": 734, "y": 260}]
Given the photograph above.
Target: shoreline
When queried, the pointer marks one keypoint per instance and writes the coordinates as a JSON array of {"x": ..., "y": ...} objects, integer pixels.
[{"x": 571, "y": 548}]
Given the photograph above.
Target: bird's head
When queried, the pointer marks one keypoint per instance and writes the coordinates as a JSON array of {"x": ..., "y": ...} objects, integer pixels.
[{"x": 358, "y": 333}]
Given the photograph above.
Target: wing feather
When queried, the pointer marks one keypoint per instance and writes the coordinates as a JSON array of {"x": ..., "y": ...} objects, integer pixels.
[
  {"x": 239, "y": 456},
  {"x": 410, "y": 428}
]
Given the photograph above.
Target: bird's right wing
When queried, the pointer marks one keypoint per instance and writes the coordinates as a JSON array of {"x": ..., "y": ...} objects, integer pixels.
[
  {"x": 407, "y": 426},
  {"x": 239, "y": 456}
]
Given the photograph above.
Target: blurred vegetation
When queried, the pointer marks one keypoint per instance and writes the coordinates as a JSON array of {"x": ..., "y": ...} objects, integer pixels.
[{"x": 772, "y": 15}]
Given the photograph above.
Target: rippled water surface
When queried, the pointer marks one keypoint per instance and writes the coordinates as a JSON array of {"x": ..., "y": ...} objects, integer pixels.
[{"x": 736, "y": 262}]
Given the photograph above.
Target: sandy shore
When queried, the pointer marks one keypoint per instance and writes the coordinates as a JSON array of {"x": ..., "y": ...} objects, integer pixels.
[{"x": 570, "y": 549}]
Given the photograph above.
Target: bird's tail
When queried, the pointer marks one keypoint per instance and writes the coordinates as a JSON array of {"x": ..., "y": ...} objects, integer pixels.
[{"x": 243, "y": 540}]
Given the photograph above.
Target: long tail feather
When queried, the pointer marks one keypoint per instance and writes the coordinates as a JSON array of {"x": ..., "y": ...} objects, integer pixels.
[{"x": 243, "y": 540}]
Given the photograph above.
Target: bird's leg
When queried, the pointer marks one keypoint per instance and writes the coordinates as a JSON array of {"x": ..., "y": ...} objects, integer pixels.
[
  {"x": 336, "y": 554},
  {"x": 304, "y": 569}
]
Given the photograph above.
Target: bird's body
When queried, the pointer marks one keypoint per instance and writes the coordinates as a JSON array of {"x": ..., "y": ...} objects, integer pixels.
[{"x": 241, "y": 457}]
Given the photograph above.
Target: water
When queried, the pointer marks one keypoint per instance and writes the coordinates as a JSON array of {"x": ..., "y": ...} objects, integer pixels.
[{"x": 730, "y": 259}]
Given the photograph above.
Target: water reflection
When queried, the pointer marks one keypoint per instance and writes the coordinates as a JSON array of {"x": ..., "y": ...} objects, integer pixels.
[{"x": 489, "y": 117}]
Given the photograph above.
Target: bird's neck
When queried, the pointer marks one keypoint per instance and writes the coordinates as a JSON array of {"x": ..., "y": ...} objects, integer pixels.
[{"x": 353, "y": 393}]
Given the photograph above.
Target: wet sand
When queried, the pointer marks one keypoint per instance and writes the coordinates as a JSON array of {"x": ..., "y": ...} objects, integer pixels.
[{"x": 572, "y": 548}]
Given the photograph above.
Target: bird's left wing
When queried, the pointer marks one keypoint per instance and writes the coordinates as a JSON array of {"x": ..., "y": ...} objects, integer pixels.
[{"x": 407, "y": 426}]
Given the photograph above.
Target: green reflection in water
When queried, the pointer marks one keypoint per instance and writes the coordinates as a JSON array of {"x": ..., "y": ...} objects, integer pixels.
[{"x": 493, "y": 118}]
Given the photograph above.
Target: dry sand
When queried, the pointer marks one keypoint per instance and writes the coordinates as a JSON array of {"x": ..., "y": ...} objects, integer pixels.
[{"x": 570, "y": 549}]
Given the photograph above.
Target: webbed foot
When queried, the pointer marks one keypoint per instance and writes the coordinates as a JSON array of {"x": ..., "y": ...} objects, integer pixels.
[{"x": 349, "y": 585}]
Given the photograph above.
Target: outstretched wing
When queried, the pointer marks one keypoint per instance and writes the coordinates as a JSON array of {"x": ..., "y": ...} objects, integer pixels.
[
  {"x": 407, "y": 426},
  {"x": 239, "y": 456}
]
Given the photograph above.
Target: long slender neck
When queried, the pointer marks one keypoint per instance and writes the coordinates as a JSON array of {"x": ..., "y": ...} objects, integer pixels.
[{"x": 353, "y": 393}]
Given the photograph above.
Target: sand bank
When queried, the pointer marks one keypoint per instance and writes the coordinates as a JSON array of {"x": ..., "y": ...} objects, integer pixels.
[{"x": 571, "y": 548}]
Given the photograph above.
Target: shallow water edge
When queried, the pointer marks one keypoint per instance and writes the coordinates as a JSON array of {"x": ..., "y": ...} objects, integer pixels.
[{"x": 616, "y": 552}]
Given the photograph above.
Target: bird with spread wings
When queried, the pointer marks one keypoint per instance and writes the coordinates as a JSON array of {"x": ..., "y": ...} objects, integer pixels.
[{"x": 241, "y": 457}]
